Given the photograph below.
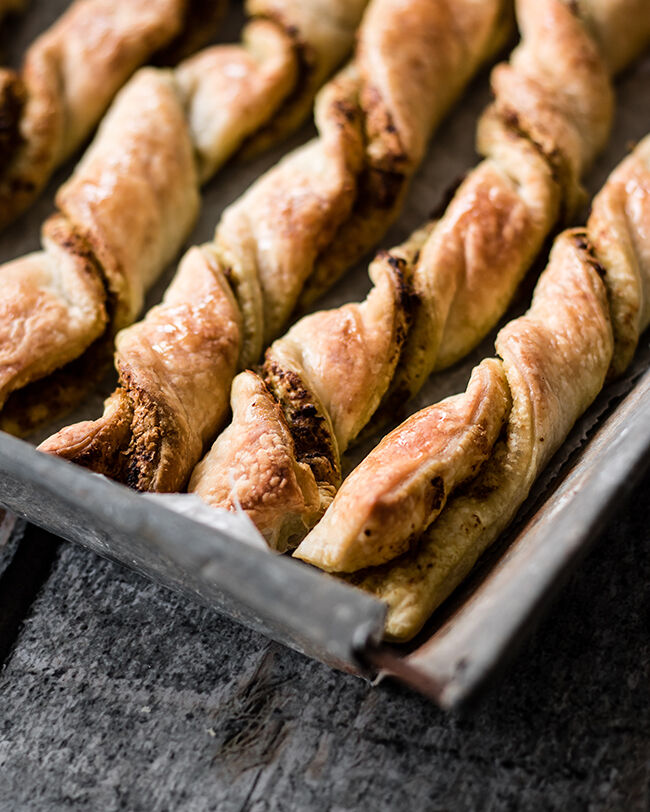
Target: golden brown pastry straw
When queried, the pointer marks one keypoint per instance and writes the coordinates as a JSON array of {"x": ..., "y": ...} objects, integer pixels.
[
  {"x": 588, "y": 310},
  {"x": 134, "y": 196},
  {"x": 68, "y": 78},
  {"x": 452, "y": 280},
  {"x": 373, "y": 127}
]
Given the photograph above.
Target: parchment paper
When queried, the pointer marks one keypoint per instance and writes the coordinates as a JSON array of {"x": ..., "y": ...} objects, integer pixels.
[{"x": 450, "y": 155}]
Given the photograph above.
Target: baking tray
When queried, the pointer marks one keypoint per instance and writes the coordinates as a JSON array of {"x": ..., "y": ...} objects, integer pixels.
[
  {"x": 323, "y": 617},
  {"x": 472, "y": 635}
]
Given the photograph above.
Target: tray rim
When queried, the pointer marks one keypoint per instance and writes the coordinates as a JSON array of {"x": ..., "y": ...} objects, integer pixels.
[
  {"x": 341, "y": 621},
  {"x": 353, "y": 642},
  {"x": 466, "y": 653}
]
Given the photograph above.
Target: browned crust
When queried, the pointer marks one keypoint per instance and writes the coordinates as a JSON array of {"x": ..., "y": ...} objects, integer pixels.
[
  {"x": 550, "y": 153},
  {"x": 381, "y": 186},
  {"x": 44, "y": 128},
  {"x": 279, "y": 470},
  {"x": 60, "y": 391},
  {"x": 408, "y": 299},
  {"x": 383, "y": 179},
  {"x": 581, "y": 240},
  {"x": 312, "y": 436},
  {"x": 57, "y": 389},
  {"x": 126, "y": 443},
  {"x": 290, "y": 112},
  {"x": 61, "y": 231}
]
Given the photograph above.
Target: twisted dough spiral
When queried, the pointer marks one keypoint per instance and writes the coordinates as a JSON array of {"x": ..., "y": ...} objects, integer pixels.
[
  {"x": 449, "y": 284},
  {"x": 325, "y": 204},
  {"x": 551, "y": 116},
  {"x": 133, "y": 198},
  {"x": 589, "y": 307},
  {"x": 374, "y": 120},
  {"x": 69, "y": 76}
]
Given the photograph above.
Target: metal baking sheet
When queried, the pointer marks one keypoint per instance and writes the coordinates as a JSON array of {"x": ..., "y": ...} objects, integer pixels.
[
  {"x": 469, "y": 637},
  {"x": 473, "y": 636}
]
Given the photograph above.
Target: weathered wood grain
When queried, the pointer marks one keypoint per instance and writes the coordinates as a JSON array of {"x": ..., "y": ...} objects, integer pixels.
[{"x": 119, "y": 695}]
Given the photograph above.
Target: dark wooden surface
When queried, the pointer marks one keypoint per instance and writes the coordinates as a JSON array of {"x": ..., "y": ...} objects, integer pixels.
[{"x": 119, "y": 695}]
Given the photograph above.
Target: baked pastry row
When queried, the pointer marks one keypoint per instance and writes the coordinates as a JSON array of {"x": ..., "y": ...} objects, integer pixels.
[
  {"x": 391, "y": 524},
  {"x": 318, "y": 387},
  {"x": 433, "y": 298},
  {"x": 71, "y": 73},
  {"x": 134, "y": 197},
  {"x": 296, "y": 228}
]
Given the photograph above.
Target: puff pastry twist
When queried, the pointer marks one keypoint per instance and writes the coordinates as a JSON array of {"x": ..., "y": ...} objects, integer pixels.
[
  {"x": 309, "y": 218},
  {"x": 438, "y": 294},
  {"x": 374, "y": 120},
  {"x": 588, "y": 310},
  {"x": 69, "y": 76},
  {"x": 133, "y": 198}
]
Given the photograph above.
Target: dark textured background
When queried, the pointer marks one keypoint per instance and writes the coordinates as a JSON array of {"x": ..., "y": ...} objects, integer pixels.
[{"x": 120, "y": 695}]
